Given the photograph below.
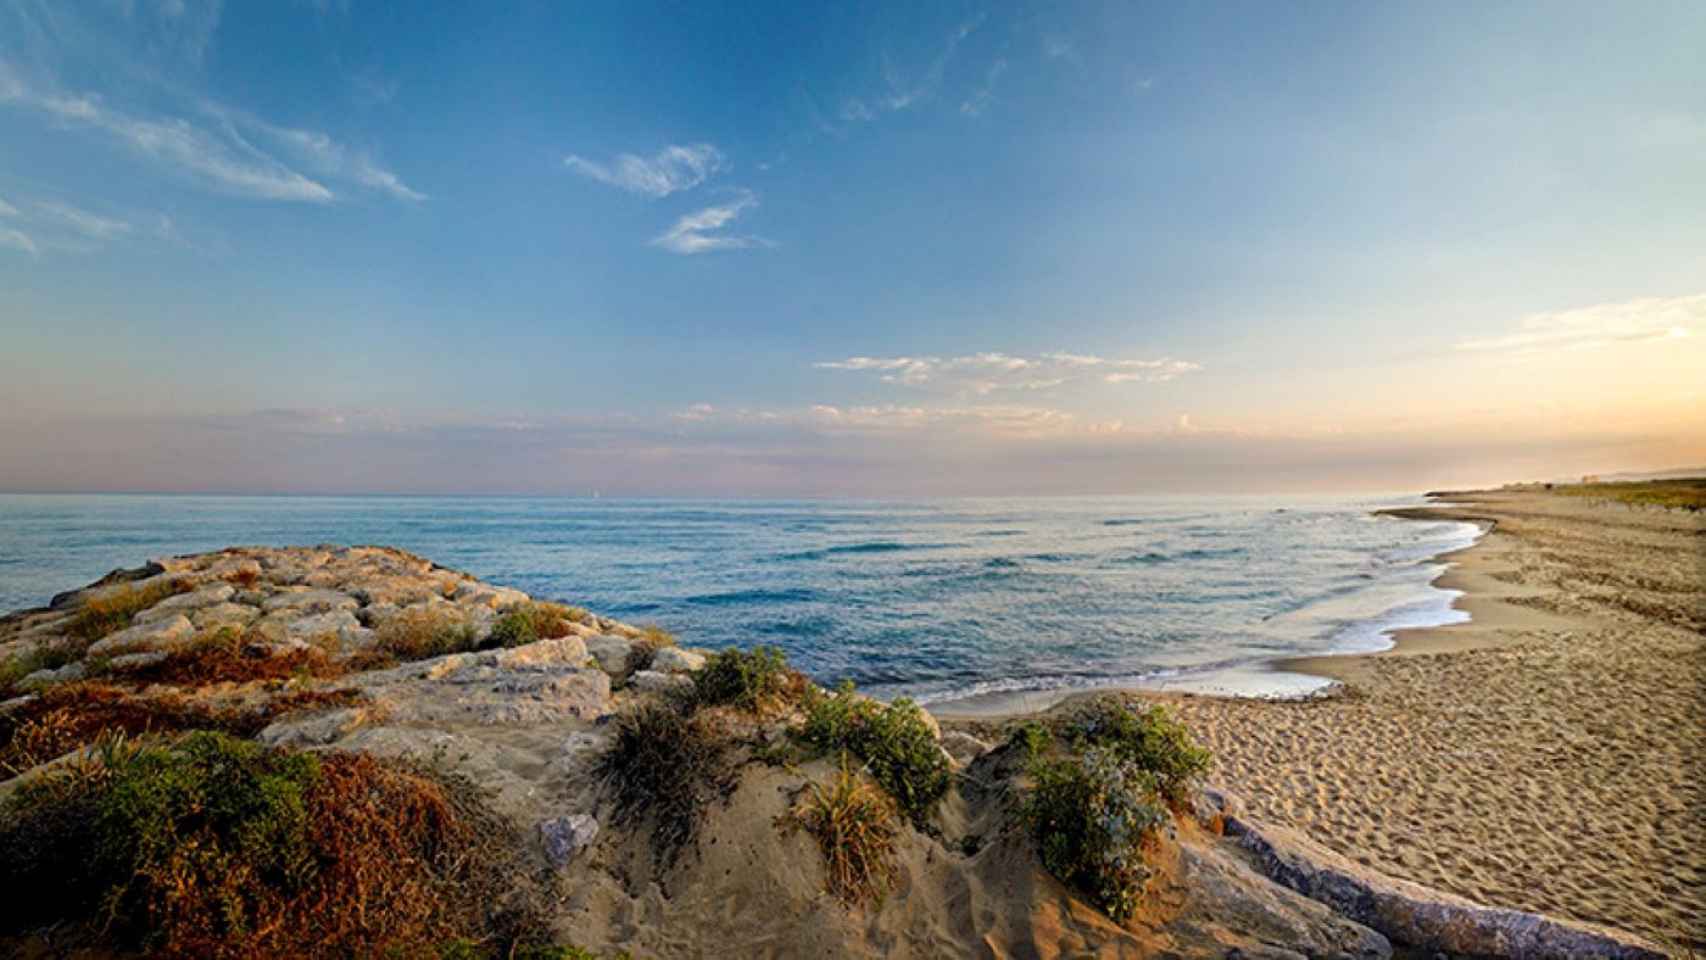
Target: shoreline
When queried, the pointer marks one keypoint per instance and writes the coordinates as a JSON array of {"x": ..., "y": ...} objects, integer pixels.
[
  {"x": 1538, "y": 757},
  {"x": 1310, "y": 676}
]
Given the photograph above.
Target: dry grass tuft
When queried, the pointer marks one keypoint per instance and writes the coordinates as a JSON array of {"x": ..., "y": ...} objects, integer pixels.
[
  {"x": 115, "y": 609},
  {"x": 227, "y": 655},
  {"x": 665, "y": 764},
  {"x": 854, "y": 823},
  {"x": 245, "y": 579},
  {"x": 76, "y": 715},
  {"x": 652, "y": 639},
  {"x": 419, "y": 634}
]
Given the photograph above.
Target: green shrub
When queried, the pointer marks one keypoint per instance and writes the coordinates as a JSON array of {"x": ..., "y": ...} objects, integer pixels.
[
  {"x": 177, "y": 842},
  {"x": 665, "y": 764},
  {"x": 895, "y": 741},
  {"x": 39, "y": 656},
  {"x": 527, "y": 622},
  {"x": 853, "y": 823},
  {"x": 1090, "y": 814},
  {"x": 1032, "y": 737},
  {"x": 748, "y": 679},
  {"x": 1149, "y": 737}
]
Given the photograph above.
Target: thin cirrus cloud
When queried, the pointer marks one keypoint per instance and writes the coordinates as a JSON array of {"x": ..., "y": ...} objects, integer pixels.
[
  {"x": 17, "y": 240},
  {"x": 671, "y": 170},
  {"x": 90, "y": 225},
  {"x": 11, "y": 237},
  {"x": 702, "y": 230},
  {"x": 982, "y": 97},
  {"x": 1600, "y": 325},
  {"x": 986, "y": 373},
  {"x": 902, "y": 92},
  {"x": 226, "y": 152}
]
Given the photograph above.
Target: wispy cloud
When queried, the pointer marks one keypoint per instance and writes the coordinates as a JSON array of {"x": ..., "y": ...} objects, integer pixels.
[
  {"x": 370, "y": 88},
  {"x": 978, "y": 102},
  {"x": 6, "y": 209},
  {"x": 670, "y": 170},
  {"x": 986, "y": 373},
  {"x": 179, "y": 144},
  {"x": 17, "y": 240},
  {"x": 900, "y": 90},
  {"x": 90, "y": 225},
  {"x": 230, "y": 153},
  {"x": 903, "y": 93},
  {"x": 327, "y": 157},
  {"x": 1057, "y": 47},
  {"x": 1600, "y": 325},
  {"x": 697, "y": 232}
]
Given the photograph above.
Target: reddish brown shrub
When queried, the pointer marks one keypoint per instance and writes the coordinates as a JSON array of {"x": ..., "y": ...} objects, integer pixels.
[{"x": 213, "y": 847}]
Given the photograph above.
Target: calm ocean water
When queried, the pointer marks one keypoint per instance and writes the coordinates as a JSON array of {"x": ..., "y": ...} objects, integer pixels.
[{"x": 938, "y": 599}]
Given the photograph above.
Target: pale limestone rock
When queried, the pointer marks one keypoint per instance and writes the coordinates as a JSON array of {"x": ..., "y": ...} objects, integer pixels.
[
  {"x": 564, "y": 837},
  {"x": 232, "y": 567},
  {"x": 615, "y": 655},
  {"x": 542, "y": 685},
  {"x": 187, "y": 602},
  {"x": 394, "y": 589},
  {"x": 1418, "y": 917},
  {"x": 317, "y": 730},
  {"x": 322, "y": 580},
  {"x": 963, "y": 747},
  {"x": 165, "y": 634},
  {"x": 310, "y": 600},
  {"x": 570, "y": 651},
  {"x": 376, "y": 614},
  {"x": 474, "y": 593},
  {"x": 134, "y": 661},
  {"x": 653, "y": 681},
  {"x": 219, "y": 615},
  {"x": 677, "y": 660},
  {"x": 333, "y": 622},
  {"x": 48, "y": 678}
]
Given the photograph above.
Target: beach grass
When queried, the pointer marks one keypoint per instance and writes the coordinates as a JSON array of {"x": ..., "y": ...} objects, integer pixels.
[
  {"x": 1687, "y": 493},
  {"x": 854, "y": 824},
  {"x": 664, "y": 764}
]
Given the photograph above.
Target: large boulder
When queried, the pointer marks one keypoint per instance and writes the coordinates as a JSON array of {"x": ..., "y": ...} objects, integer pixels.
[
  {"x": 677, "y": 660},
  {"x": 1418, "y": 917},
  {"x": 168, "y": 633},
  {"x": 207, "y": 596}
]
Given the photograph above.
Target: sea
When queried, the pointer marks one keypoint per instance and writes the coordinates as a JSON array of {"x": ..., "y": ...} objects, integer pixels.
[{"x": 946, "y": 601}]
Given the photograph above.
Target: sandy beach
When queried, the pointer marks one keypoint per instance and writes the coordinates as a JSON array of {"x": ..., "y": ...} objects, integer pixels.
[{"x": 1549, "y": 755}]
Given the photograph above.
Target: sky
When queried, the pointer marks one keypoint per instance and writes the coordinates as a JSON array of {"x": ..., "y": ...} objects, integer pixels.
[{"x": 796, "y": 249}]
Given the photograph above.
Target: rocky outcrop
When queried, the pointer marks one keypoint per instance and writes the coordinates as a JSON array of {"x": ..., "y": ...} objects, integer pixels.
[{"x": 1418, "y": 917}]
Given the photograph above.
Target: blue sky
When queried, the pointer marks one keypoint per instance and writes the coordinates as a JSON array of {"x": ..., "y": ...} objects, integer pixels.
[{"x": 800, "y": 249}]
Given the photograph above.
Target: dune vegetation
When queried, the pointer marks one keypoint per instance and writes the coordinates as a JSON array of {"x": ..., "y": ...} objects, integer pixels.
[{"x": 1685, "y": 493}]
